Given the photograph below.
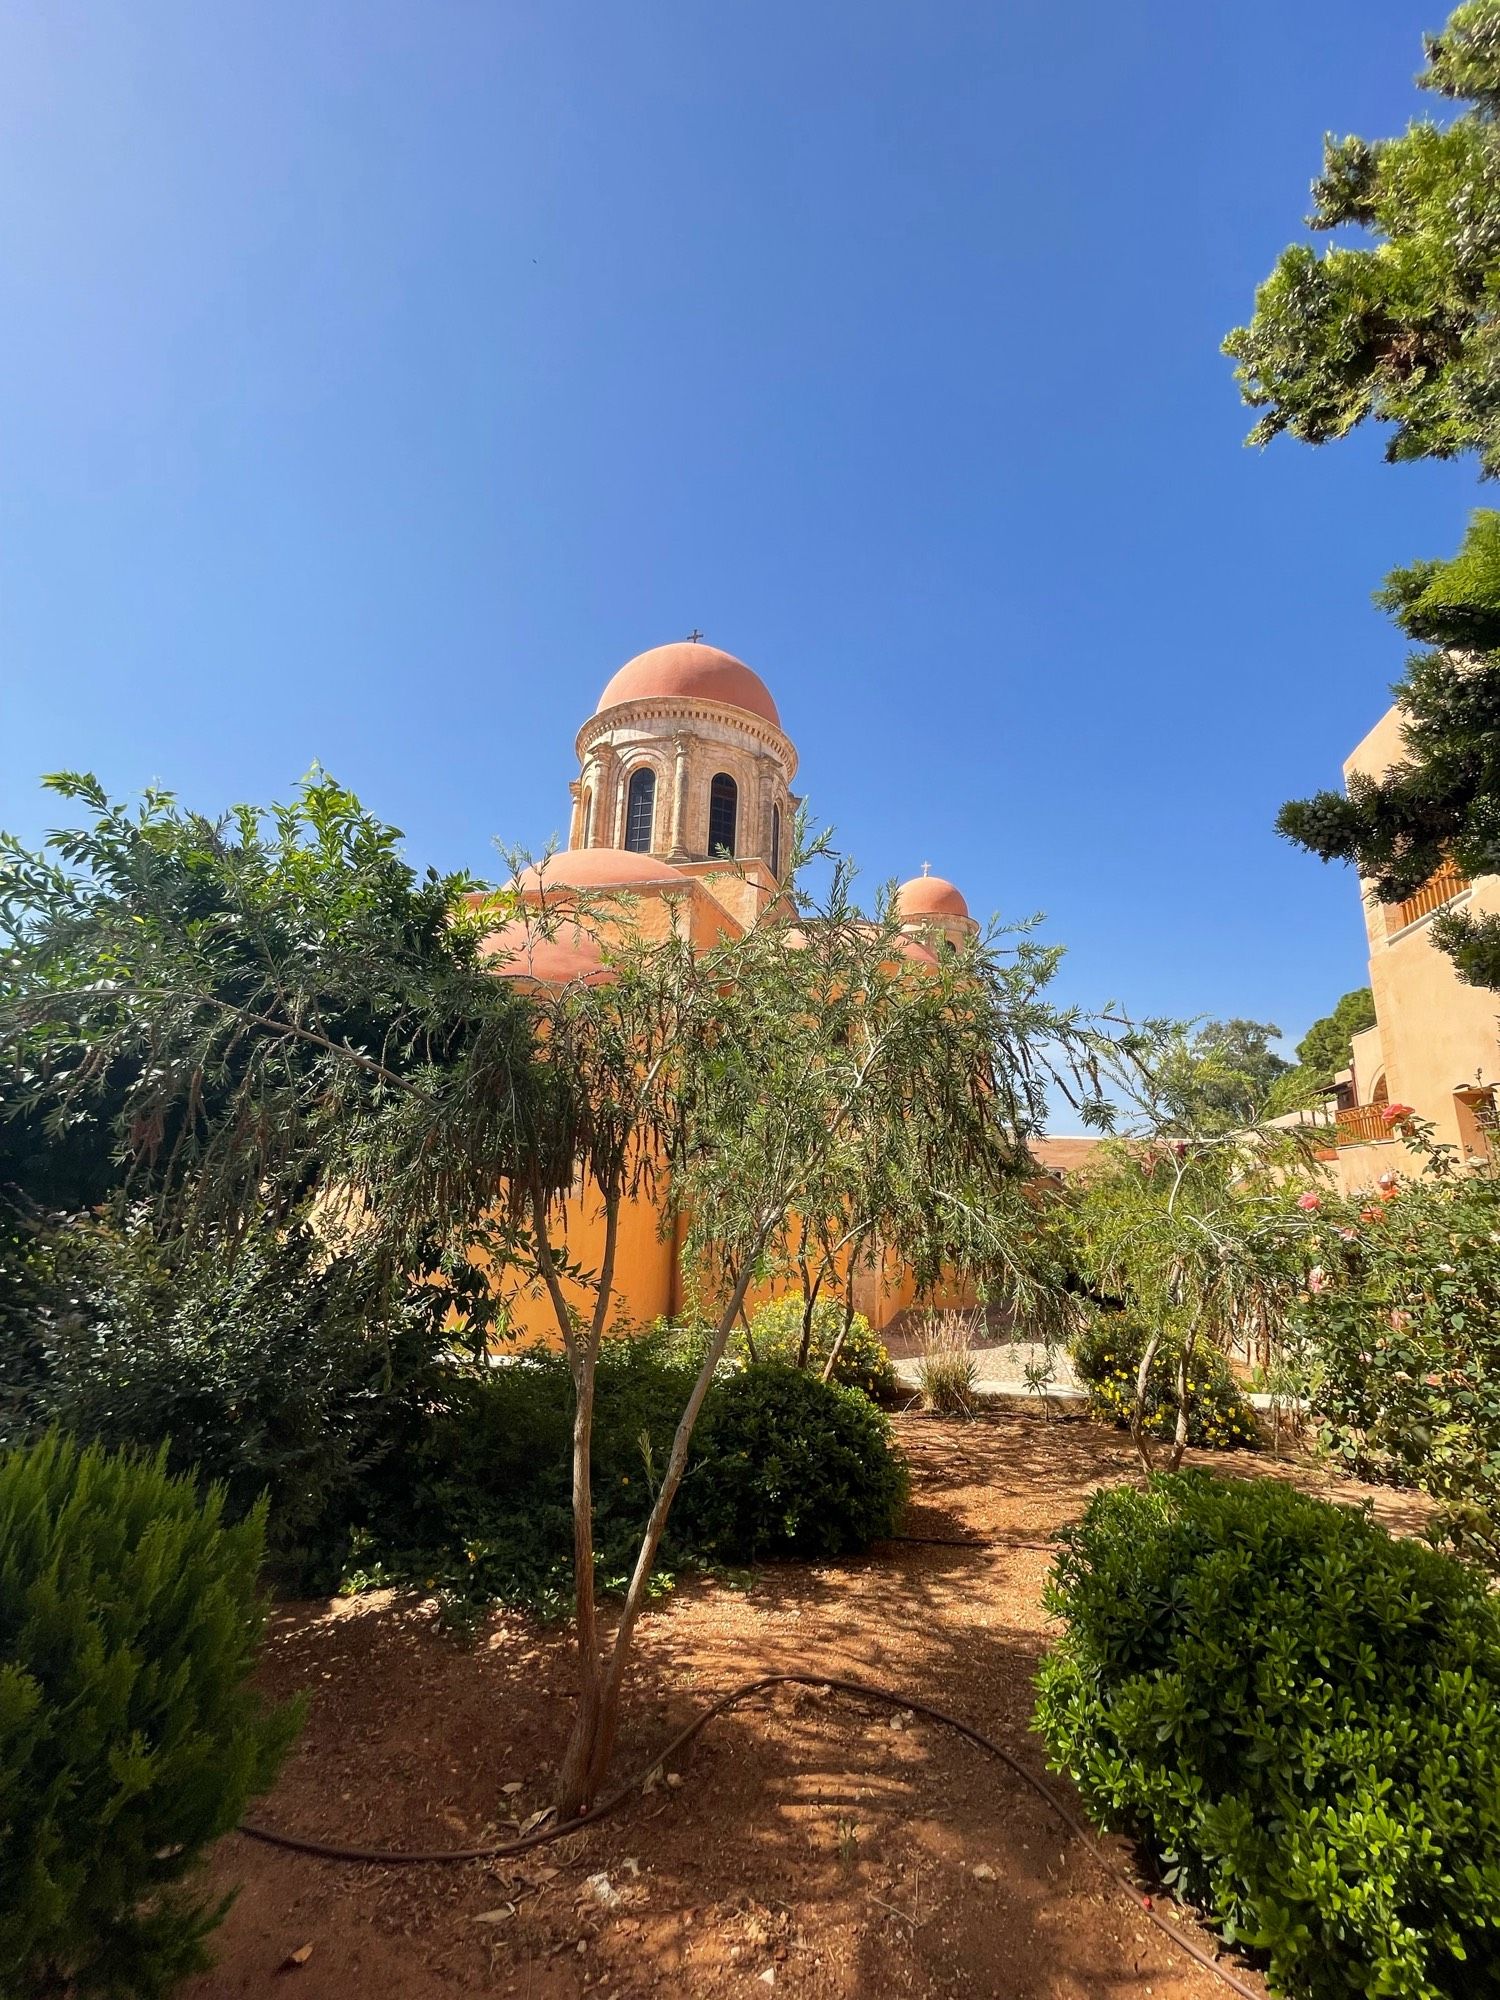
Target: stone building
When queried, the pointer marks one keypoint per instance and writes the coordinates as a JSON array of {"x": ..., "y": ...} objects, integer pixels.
[{"x": 1436, "y": 1043}]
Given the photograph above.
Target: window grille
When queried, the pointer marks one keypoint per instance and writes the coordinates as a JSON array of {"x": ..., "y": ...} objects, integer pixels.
[
  {"x": 723, "y": 809},
  {"x": 640, "y": 811}
]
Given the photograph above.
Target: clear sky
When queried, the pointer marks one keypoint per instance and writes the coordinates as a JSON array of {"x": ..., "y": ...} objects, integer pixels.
[{"x": 376, "y": 378}]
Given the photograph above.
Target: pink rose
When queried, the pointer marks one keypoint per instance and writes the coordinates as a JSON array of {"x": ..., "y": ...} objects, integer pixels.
[
  {"x": 1309, "y": 1201},
  {"x": 1316, "y": 1279},
  {"x": 1393, "y": 1114}
]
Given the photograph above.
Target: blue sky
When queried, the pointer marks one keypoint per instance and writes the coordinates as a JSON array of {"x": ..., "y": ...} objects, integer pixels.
[{"x": 375, "y": 379}]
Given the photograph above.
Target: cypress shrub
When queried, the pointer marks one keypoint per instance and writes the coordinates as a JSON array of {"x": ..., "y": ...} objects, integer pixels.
[{"x": 129, "y": 1736}]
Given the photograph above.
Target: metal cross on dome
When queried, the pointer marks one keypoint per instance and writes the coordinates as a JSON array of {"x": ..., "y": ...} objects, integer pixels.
[
  {"x": 926, "y": 868},
  {"x": 695, "y": 637}
]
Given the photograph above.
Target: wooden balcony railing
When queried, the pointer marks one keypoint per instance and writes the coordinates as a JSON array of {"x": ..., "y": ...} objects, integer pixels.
[
  {"x": 1438, "y": 889},
  {"x": 1360, "y": 1124}
]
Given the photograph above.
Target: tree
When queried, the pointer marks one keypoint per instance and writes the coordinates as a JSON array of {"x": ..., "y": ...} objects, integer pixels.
[
  {"x": 739, "y": 1085},
  {"x": 1192, "y": 1080},
  {"x": 1202, "y": 1239},
  {"x": 1322, "y": 1052},
  {"x": 803, "y": 1081},
  {"x": 231, "y": 1011},
  {"x": 1443, "y": 802},
  {"x": 1402, "y": 328}
]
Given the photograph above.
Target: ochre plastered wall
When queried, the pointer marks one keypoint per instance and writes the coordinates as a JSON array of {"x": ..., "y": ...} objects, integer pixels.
[{"x": 1433, "y": 1032}]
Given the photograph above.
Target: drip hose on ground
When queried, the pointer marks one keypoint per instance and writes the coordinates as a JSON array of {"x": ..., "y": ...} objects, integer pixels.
[{"x": 859, "y": 1690}]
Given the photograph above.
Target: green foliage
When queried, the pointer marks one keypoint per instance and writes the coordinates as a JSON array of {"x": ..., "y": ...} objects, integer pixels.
[
  {"x": 129, "y": 1736},
  {"x": 1106, "y": 1357},
  {"x": 1215, "y": 1078},
  {"x": 1400, "y": 329},
  {"x": 1300, "y": 1716},
  {"x": 1403, "y": 1344},
  {"x": 281, "y": 1371},
  {"x": 1322, "y": 1052},
  {"x": 1443, "y": 802},
  {"x": 776, "y": 1331},
  {"x": 236, "y": 1012},
  {"x": 482, "y": 1509},
  {"x": 1204, "y": 1244},
  {"x": 787, "y": 1465}
]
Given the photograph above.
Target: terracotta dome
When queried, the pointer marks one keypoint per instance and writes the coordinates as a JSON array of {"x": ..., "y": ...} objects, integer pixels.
[
  {"x": 600, "y": 868},
  {"x": 912, "y": 948},
  {"x": 930, "y": 896},
  {"x": 569, "y": 958},
  {"x": 689, "y": 671}
]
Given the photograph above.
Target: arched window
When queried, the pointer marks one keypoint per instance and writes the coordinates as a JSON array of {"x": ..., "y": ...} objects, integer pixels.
[
  {"x": 640, "y": 810},
  {"x": 723, "y": 807},
  {"x": 776, "y": 841},
  {"x": 586, "y": 822}
]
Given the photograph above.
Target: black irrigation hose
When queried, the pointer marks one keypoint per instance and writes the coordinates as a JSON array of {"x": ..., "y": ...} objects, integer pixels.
[{"x": 861, "y": 1690}]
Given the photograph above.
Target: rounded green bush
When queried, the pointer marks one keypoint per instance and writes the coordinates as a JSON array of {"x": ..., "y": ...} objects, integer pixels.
[
  {"x": 129, "y": 1735},
  {"x": 776, "y": 1336},
  {"x": 786, "y": 1465},
  {"x": 1300, "y": 1716},
  {"x": 1106, "y": 1358}
]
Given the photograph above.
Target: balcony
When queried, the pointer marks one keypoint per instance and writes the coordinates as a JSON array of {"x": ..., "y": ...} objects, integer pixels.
[
  {"x": 1439, "y": 888},
  {"x": 1362, "y": 1125}
]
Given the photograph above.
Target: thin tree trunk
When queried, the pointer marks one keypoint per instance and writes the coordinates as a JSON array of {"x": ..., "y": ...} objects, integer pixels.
[
  {"x": 583, "y": 1355},
  {"x": 572, "y": 1775},
  {"x": 843, "y": 1334},
  {"x": 606, "y": 1719},
  {"x": 1138, "y": 1410},
  {"x": 1180, "y": 1431},
  {"x": 810, "y": 1292}
]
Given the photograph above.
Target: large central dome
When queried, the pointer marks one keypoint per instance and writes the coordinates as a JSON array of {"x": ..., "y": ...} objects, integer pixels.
[{"x": 688, "y": 671}]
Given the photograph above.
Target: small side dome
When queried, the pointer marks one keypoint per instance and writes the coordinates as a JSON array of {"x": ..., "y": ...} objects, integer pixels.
[
  {"x": 689, "y": 671},
  {"x": 572, "y": 958},
  {"x": 929, "y": 896}
]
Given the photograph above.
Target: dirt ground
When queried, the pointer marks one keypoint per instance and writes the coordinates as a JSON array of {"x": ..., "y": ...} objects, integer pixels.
[{"x": 804, "y": 1843}]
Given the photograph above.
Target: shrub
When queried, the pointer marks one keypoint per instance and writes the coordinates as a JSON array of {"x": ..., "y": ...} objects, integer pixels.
[
  {"x": 483, "y": 1507},
  {"x": 487, "y": 1513},
  {"x": 786, "y": 1465},
  {"x": 277, "y": 1371},
  {"x": 1404, "y": 1340},
  {"x": 1300, "y": 1716},
  {"x": 1107, "y": 1357},
  {"x": 129, "y": 1737},
  {"x": 776, "y": 1336},
  {"x": 947, "y": 1373}
]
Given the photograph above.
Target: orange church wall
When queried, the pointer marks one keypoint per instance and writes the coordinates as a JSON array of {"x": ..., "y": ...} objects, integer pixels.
[{"x": 645, "y": 1272}]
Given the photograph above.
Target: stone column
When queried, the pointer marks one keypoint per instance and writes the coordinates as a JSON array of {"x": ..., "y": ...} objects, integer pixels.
[
  {"x": 606, "y": 805},
  {"x": 575, "y": 822},
  {"x": 678, "y": 851},
  {"x": 766, "y": 788}
]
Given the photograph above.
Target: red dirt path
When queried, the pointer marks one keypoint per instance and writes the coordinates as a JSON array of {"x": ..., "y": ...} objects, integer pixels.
[{"x": 811, "y": 1846}]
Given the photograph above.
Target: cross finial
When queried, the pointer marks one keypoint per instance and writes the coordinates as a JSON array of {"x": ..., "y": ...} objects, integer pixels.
[
  {"x": 926, "y": 868},
  {"x": 694, "y": 637}
]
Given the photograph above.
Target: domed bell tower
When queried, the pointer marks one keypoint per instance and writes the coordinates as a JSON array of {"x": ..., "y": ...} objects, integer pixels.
[{"x": 685, "y": 759}]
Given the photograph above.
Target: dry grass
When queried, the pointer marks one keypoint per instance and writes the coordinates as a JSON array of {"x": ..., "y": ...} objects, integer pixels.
[{"x": 947, "y": 1373}]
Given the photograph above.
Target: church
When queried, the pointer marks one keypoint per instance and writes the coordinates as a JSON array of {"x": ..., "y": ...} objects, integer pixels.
[{"x": 684, "y": 804}]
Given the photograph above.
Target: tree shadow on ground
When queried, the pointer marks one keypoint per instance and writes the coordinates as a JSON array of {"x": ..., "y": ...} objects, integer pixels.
[{"x": 808, "y": 1836}]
